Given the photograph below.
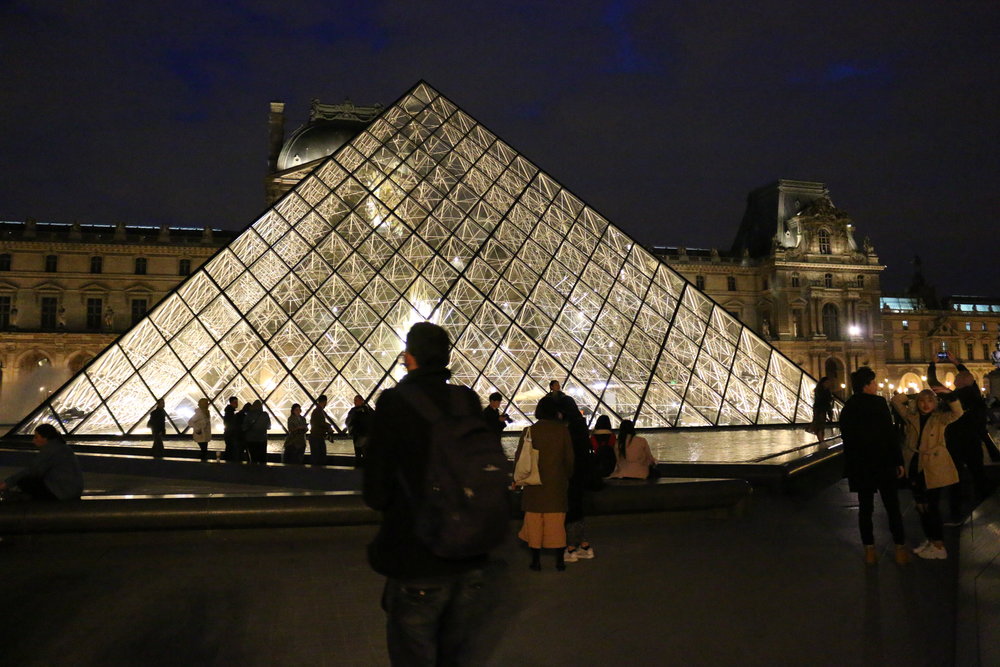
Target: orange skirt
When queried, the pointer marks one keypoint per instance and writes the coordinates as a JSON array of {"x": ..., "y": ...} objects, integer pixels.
[{"x": 544, "y": 530}]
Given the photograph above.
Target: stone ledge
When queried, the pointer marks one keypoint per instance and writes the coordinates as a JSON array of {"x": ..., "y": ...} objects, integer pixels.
[{"x": 209, "y": 511}]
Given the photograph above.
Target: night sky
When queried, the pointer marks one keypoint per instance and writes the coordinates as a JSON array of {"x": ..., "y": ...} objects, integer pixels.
[{"x": 661, "y": 115}]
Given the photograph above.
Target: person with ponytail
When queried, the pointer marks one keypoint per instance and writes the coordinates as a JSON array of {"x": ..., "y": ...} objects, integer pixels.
[{"x": 633, "y": 458}]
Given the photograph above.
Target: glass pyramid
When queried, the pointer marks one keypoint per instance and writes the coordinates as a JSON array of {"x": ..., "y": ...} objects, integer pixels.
[{"x": 427, "y": 215}]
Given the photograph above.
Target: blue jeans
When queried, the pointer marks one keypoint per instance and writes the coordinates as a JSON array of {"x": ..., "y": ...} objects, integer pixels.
[{"x": 433, "y": 620}]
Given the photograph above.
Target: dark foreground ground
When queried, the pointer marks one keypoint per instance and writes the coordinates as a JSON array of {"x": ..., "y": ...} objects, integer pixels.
[{"x": 783, "y": 585}]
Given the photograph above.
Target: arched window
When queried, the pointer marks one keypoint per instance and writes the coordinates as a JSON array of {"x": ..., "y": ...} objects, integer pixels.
[
  {"x": 795, "y": 280},
  {"x": 827, "y": 280},
  {"x": 824, "y": 241},
  {"x": 831, "y": 322},
  {"x": 731, "y": 283},
  {"x": 860, "y": 281}
]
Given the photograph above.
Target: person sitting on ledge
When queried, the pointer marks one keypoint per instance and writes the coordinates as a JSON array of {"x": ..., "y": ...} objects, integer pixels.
[{"x": 53, "y": 475}]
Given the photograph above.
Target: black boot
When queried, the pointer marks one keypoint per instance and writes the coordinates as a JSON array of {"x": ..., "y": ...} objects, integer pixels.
[
  {"x": 560, "y": 562},
  {"x": 536, "y": 560}
]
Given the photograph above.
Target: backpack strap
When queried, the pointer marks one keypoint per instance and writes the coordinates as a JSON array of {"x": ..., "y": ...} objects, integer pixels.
[{"x": 419, "y": 400}]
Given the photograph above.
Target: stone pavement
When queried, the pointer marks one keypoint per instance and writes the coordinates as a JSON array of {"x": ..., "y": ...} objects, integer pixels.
[{"x": 782, "y": 585}]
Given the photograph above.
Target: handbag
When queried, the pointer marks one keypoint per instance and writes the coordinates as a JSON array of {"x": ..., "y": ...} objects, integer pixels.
[{"x": 526, "y": 466}]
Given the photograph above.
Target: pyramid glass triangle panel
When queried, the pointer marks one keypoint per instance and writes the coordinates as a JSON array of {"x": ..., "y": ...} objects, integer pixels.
[{"x": 427, "y": 215}]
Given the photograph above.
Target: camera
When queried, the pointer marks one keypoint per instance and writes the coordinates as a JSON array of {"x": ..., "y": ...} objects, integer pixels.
[{"x": 942, "y": 356}]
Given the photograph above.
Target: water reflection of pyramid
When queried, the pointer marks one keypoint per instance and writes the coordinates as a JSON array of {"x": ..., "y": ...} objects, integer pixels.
[{"x": 426, "y": 215}]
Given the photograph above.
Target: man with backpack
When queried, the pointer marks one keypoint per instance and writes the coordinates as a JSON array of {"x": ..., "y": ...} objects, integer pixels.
[{"x": 437, "y": 472}]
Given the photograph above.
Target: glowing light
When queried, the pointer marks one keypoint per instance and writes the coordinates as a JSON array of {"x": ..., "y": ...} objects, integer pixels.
[{"x": 854, "y": 330}]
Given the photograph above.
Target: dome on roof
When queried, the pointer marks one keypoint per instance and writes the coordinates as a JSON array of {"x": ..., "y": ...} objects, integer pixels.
[{"x": 316, "y": 140}]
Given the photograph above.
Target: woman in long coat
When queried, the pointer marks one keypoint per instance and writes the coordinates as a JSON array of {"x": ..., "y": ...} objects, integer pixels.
[
  {"x": 928, "y": 463},
  {"x": 545, "y": 504}
]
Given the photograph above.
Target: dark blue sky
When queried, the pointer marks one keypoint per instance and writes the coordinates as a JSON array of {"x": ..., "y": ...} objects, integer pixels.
[{"x": 662, "y": 115}]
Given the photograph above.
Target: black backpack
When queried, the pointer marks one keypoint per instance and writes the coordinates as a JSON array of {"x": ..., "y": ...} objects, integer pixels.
[{"x": 465, "y": 511}]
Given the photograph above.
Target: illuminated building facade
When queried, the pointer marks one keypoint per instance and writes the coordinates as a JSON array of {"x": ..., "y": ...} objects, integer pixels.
[
  {"x": 796, "y": 274},
  {"x": 68, "y": 290}
]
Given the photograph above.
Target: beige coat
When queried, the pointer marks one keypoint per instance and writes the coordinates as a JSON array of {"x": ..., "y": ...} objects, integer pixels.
[
  {"x": 555, "y": 466},
  {"x": 935, "y": 461}
]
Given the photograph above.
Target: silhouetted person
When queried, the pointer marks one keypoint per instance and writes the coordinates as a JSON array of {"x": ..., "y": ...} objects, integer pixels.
[
  {"x": 545, "y": 504},
  {"x": 256, "y": 423},
  {"x": 295, "y": 441},
  {"x": 319, "y": 431},
  {"x": 54, "y": 474},
  {"x": 492, "y": 413},
  {"x": 873, "y": 460},
  {"x": 358, "y": 424},
  {"x": 232, "y": 425},
  {"x": 158, "y": 427},
  {"x": 434, "y": 605}
]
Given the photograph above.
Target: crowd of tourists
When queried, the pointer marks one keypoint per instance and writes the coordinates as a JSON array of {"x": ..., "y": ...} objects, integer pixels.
[
  {"x": 927, "y": 443},
  {"x": 245, "y": 431},
  {"x": 434, "y": 466},
  {"x": 442, "y": 484}
]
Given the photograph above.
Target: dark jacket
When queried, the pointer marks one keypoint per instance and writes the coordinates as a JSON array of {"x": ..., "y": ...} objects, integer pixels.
[
  {"x": 231, "y": 418},
  {"x": 358, "y": 421},
  {"x": 966, "y": 432},
  {"x": 255, "y": 425},
  {"x": 586, "y": 475},
  {"x": 398, "y": 448},
  {"x": 56, "y": 467},
  {"x": 492, "y": 417},
  {"x": 872, "y": 450},
  {"x": 158, "y": 420},
  {"x": 319, "y": 427}
]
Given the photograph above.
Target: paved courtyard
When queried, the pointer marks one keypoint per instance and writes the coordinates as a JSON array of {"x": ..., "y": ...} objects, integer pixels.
[{"x": 782, "y": 585}]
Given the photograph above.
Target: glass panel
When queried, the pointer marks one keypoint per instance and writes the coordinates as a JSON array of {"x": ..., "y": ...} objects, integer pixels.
[{"x": 427, "y": 216}]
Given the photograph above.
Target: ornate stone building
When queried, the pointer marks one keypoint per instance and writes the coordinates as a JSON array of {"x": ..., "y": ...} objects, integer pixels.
[
  {"x": 918, "y": 329},
  {"x": 67, "y": 290},
  {"x": 329, "y": 127},
  {"x": 798, "y": 276}
]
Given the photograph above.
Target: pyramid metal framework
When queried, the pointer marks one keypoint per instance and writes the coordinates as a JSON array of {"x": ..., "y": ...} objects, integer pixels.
[{"x": 427, "y": 215}]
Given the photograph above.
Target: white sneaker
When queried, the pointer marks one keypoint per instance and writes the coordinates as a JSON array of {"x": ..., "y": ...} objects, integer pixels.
[
  {"x": 571, "y": 556},
  {"x": 934, "y": 553},
  {"x": 585, "y": 554},
  {"x": 923, "y": 546}
]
